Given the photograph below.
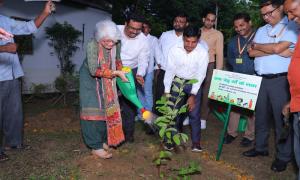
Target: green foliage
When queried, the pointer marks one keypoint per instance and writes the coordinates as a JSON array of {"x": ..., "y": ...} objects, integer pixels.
[
  {"x": 193, "y": 168},
  {"x": 65, "y": 83},
  {"x": 160, "y": 13},
  {"x": 166, "y": 124},
  {"x": 64, "y": 38},
  {"x": 38, "y": 90}
]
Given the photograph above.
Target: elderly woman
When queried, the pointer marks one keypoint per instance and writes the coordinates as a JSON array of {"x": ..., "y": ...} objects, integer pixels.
[{"x": 100, "y": 116}]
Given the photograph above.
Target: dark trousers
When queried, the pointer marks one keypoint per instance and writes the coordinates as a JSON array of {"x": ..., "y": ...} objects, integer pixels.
[
  {"x": 194, "y": 116},
  {"x": 129, "y": 111},
  {"x": 296, "y": 126},
  {"x": 159, "y": 88},
  {"x": 11, "y": 114},
  {"x": 94, "y": 133},
  {"x": 273, "y": 95}
]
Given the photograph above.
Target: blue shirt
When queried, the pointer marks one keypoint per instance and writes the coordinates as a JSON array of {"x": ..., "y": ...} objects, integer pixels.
[
  {"x": 10, "y": 67},
  {"x": 273, "y": 64},
  {"x": 247, "y": 65}
]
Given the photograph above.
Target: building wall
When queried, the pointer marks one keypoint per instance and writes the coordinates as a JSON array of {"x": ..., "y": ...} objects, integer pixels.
[{"x": 42, "y": 67}]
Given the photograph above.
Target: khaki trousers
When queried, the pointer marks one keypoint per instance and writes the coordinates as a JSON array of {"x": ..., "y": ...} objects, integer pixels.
[{"x": 235, "y": 115}]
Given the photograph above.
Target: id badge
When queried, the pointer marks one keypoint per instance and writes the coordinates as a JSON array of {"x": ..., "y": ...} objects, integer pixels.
[{"x": 239, "y": 61}]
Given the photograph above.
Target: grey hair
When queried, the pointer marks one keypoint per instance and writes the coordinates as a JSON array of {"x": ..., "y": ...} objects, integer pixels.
[{"x": 107, "y": 29}]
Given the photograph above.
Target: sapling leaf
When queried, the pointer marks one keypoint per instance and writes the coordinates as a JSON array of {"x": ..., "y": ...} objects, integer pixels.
[
  {"x": 162, "y": 131},
  {"x": 176, "y": 139},
  {"x": 175, "y": 89},
  {"x": 184, "y": 137},
  {"x": 192, "y": 81}
]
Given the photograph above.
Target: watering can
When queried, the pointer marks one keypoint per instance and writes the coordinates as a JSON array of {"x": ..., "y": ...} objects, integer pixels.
[{"x": 128, "y": 90}]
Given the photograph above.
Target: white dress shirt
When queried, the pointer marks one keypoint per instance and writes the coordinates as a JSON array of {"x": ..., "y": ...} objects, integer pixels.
[
  {"x": 135, "y": 52},
  {"x": 185, "y": 65},
  {"x": 166, "y": 41},
  {"x": 154, "y": 52}
]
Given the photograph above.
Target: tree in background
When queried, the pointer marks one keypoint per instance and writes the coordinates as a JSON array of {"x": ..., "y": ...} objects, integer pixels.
[
  {"x": 64, "y": 38},
  {"x": 160, "y": 13}
]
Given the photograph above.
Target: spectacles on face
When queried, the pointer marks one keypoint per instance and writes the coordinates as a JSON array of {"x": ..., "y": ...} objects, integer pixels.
[
  {"x": 269, "y": 14},
  {"x": 137, "y": 30}
]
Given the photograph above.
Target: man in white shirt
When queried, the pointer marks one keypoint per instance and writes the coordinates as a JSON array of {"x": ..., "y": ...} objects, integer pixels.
[
  {"x": 166, "y": 41},
  {"x": 188, "y": 60},
  {"x": 146, "y": 96},
  {"x": 135, "y": 54}
]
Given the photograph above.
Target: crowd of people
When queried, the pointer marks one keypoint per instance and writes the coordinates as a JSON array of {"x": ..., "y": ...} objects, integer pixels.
[{"x": 186, "y": 52}]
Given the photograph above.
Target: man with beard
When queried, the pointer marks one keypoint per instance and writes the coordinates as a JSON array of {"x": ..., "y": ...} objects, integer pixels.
[
  {"x": 214, "y": 40},
  {"x": 135, "y": 53},
  {"x": 166, "y": 41},
  {"x": 240, "y": 62},
  {"x": 292, "y": 9},
  {"x": 271, "y": 48}
]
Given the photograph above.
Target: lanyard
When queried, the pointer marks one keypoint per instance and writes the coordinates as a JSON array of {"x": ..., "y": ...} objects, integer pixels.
[
  {"x": 278, "y": 35},
  {"x": 241, "y": 50}
]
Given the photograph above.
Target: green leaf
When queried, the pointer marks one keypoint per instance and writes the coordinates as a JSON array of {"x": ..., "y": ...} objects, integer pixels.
[
  {"x": 192, "y": 81},
  {"x": 157, "y": 162},
  {"x": 178, "y": 80},
  {"x": 168, "y": 134},
  {"x": 171, "y": 130},
  {"x": 183, "y": 109},
  {"x": 175, "y": 88},
  {"x": 162, "y": 119},
  {"x": 162, "y": 131},
  {"x": 176, "y": 139},
  {"x": 170, "y": 103},
  {"x": 166, "y": 155},
  {"x": 184, "y": 137}
]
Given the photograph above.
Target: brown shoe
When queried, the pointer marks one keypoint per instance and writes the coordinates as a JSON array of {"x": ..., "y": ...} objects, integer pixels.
[{"x": 18, "y": 147}]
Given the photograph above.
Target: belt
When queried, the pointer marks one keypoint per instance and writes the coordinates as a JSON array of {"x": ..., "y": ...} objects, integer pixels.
[{"x": 272, "y": 76}]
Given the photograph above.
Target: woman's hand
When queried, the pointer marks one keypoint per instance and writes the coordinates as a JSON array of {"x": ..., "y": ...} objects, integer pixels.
[{"x": 121, "y": 74}]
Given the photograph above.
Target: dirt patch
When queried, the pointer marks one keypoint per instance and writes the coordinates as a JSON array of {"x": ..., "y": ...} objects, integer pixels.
[
  {"x": 53, "y": 120},
  {"x": 59, "y": 153}
]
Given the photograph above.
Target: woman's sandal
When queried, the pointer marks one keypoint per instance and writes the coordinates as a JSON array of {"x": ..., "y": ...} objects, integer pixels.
[
  {"x": 106, "y": 147},
  {"x": 101, "y": 153}
]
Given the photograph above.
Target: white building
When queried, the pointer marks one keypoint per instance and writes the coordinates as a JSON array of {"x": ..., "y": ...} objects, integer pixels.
[{"x": 42, "y": 67}]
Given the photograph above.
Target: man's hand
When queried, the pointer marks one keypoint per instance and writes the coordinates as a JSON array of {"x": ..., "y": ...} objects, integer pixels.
[
  {"x": 49, "y": 7},
  {"x": 9, "y": 48},
  {"x": 286, "y": 110},
  {"x": 140, "y": 79},
  {"x": 191, "y": 102},
  {"x": 5, "y": 35}
]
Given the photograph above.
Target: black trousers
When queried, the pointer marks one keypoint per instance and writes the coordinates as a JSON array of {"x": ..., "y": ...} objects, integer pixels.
[
  {"x": 273, "y": 95},
  {"x": 159, "y": 88}
]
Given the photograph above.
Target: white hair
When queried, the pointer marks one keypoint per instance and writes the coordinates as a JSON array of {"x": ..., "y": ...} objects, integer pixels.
[{"x": 107, "y": 29}]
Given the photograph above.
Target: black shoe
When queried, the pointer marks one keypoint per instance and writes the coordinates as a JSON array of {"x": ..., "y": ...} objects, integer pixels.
[
  {"x": 169, "y": 146},
  {"x": 246, "y": 142},
  {"x": 3, "y": 157},
  {"x": 278, "y": 165},
  {"x": 228, "y": 139},
  {"x": 196, "y": 148},
  {"x": 254, "y": 153}
]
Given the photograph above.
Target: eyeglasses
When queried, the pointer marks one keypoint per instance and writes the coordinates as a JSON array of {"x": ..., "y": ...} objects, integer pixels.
[
  {"x": 268, "y": 14},
  {"x": 134, "y": 29}
]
